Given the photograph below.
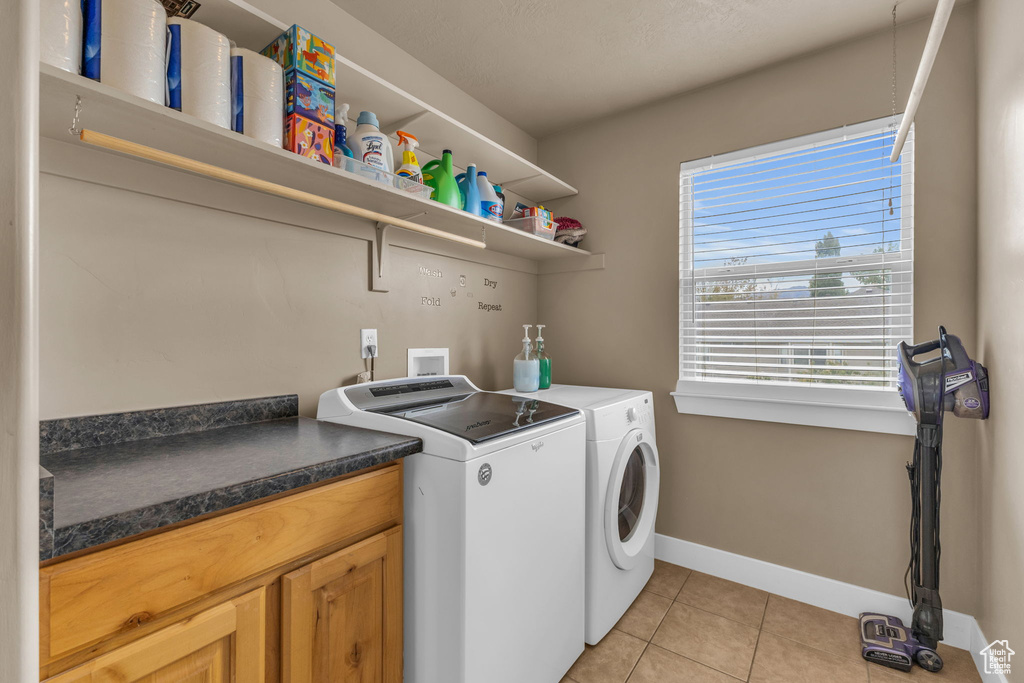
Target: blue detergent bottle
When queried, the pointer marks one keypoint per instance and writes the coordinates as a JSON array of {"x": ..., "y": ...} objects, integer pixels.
[{"x": 470, "y": 191}]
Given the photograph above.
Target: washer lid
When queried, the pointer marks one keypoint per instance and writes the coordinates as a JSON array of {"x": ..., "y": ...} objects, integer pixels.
[{"x": 481, "y": 416}]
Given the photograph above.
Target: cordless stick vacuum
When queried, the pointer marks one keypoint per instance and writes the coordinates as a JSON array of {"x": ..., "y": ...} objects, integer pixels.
[{"x": 949, "y": 381}]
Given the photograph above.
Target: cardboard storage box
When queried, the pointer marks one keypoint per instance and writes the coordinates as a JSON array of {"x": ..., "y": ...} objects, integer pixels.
[{"x": 309, "y": 138}]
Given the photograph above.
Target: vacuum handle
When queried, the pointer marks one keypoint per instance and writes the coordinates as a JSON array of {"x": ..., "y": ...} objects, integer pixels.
[
  {"x": 907, "y": 352},
  {"x": 956, "y": 349}
]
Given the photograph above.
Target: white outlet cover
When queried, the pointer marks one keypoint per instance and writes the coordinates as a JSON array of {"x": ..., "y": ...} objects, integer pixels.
[{"x": 368, "y": 337}]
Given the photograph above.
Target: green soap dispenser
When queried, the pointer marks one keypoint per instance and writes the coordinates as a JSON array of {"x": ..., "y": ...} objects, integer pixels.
[{"x": 544, "y": 358}]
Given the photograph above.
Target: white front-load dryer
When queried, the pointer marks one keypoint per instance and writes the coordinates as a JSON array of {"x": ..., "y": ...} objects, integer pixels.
[{"x": 623, "y": 478}]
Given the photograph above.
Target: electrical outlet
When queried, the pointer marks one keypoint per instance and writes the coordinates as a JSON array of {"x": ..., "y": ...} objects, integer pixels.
[{"x": 368, "y": 338}]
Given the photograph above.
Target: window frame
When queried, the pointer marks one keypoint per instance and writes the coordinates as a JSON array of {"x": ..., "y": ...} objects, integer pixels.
[{"x": 852, "y": 407}]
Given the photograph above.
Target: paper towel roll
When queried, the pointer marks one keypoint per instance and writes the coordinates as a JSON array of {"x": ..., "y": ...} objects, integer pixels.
[
  {"x": 257, "y": 96},
  {"x": 124, "y": 46},
  {"x": 60, "y": 34},
  {"x": 199, "y": 71}
]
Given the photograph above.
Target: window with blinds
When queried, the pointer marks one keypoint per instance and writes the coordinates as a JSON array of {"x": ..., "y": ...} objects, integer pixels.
[{"x": 796, "y": 262}]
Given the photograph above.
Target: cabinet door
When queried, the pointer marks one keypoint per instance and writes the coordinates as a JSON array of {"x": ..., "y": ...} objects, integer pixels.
[
  {"x": 343, "y": 615},
  {"x": 224, "y": 644}
]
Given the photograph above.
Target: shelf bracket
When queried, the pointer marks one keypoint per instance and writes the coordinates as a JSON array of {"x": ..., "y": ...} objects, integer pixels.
[
  {"x": 380, "y": 268},
  {"x": 402, "y": 123}
]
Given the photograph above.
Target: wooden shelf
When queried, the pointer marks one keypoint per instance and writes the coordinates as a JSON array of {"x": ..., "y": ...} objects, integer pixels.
[
  {"x": 395, "y": 108},
  {"x": 110, "y": 111}
]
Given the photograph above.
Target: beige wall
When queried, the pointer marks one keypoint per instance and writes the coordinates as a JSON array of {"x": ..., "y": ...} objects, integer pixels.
[
  {"x": 1000, "y": 324},
  {"x": 148, "y": 302},
  {"x": 797, "y": 496}
]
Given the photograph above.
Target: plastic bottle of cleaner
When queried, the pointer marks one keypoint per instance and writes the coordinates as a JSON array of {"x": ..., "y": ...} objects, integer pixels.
[
  {"x": 526, "y": 367},
  {"x": 544, "y": 360},
  {"x": 470, "y": 191},
  {"x": 370, "y": 145},
  {"x": 501, "y": 201},
  {"x": 440, "y": 175},
  {"x": 410, "y": 167},
  {"x": 341, "y": 151},
  {"x": 490, "y": 206}
]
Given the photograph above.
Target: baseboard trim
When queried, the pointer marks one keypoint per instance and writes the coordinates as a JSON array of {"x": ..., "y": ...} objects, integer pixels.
[
  {"x": 978, "y": 643},
  {"x": 961, "y": 630}
]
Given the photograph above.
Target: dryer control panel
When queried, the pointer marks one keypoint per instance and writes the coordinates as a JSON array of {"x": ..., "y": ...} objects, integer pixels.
[{"x": 640, "y": 413}]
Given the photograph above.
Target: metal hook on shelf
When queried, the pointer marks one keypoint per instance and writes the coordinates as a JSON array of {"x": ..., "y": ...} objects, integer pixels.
[{"x": 74, "y": 129}]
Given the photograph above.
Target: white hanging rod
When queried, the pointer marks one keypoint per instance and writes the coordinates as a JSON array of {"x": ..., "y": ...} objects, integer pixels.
[
  {"x": 931, "y": 49},
  {"x": 114, "y": 144}
]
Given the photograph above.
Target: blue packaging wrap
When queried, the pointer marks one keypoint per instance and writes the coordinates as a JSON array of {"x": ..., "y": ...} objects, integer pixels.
[
  {"x": 237, "y": 94},
  {"x": 174, "y": 67}
]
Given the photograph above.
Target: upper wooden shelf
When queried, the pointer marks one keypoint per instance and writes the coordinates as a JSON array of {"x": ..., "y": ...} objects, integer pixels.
[
  {"x": 111, "y": 111},
  {"x": 395, "y": 108}
]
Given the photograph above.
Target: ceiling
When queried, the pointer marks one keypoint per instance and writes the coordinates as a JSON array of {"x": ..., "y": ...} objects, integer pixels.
[{"x": 548, "y": 64}]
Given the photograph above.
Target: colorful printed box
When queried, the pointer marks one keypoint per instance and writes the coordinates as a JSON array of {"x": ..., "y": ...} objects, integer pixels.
[
  {"x": 299, "y": 49},
  {"x": 308, "y": 138},
  {"x": 308, "y": 97}
]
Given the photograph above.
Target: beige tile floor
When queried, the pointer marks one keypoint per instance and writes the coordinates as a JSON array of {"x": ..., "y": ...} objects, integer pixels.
[{"x": 688, "y": 627}]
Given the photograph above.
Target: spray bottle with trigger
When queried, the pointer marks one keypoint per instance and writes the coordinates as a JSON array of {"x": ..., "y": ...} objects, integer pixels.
[
  {"x": 410, "y": 167},
  {"x": 526, "y": 367},
  {"x": 341, "y": 149},
  {"x": 543, "y": 359}
]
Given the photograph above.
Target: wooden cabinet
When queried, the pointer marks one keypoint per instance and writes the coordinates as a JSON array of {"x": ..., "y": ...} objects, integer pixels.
[
  {"x": 223, "y": 644},
  {"x": 305, "y": 587},
  {"x": 342, "y": 615}
]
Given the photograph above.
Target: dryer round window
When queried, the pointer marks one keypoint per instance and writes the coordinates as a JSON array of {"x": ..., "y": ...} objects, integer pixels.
[
  {"x": 631, "y": 494},
  {"x": 632, "y": 499}
]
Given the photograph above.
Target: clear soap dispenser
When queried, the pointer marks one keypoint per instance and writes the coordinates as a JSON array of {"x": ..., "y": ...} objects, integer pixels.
[
  {"x": 526, "y": 367},
  {"x": 543, "y": 359}
]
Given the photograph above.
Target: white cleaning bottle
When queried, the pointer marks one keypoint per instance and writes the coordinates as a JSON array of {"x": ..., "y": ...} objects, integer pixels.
[
  {"x": 370, "y": 145},
  {"x": 489, "y": 202},
  {"x": 526, "y": 367}
]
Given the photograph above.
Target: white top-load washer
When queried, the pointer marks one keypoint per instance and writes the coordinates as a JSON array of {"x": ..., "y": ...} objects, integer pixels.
[
  {"x": 623, "y": 476},
  {"x": 494, "y": 527}
]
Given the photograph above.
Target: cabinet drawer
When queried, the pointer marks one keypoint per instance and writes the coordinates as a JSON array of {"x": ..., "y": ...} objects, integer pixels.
[{"x": 93, "y": 597}]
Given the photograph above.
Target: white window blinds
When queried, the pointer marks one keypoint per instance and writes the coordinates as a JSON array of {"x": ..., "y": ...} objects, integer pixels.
[{"x": 796, "y": 261}]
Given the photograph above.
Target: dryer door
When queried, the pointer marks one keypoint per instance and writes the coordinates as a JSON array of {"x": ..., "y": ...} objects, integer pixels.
[{"x": 632, "y": 498}]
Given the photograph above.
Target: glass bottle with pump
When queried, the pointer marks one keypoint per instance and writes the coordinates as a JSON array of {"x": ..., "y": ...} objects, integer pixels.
[
  {"x": 526, "y": 367},
  {"x": 544, "y": 360}
]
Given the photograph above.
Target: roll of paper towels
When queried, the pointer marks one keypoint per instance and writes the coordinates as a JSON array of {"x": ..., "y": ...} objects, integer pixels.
[
  {"x": 199, "y": 71},
  {"x": 124, "y": 46},
  {"x": 257, "y": 96},
  {"x": 60, "y": 34}
]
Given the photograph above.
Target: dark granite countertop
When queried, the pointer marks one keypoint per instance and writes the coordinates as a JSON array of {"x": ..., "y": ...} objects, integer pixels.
[{"x": 100, "y": 493}]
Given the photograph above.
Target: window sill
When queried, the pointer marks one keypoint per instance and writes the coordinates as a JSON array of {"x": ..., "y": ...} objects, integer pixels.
[{"x": 865, "y": 411}]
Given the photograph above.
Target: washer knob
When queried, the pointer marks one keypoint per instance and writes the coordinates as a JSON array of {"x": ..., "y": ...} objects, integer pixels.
[{"x": 631, "y": 415}]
